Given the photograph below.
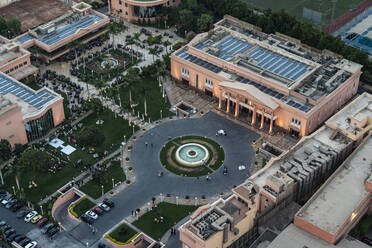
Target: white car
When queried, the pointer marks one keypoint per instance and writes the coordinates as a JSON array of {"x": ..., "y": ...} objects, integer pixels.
[
  {"x": 31, "y": 244},
  {"x": 92, "y": 214},
  {"x": 104, "y": 207},
  {"x": 30, "y": 215},
  {"x": 221, "y": 132}
]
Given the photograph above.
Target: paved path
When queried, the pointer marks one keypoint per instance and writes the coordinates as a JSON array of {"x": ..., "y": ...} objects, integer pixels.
[{"x": 145, "y": 161}]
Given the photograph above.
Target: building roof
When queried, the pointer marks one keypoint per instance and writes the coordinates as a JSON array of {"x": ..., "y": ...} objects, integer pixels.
[
  {"x": 31, "y": 101},
  {"x": 253, "y": 91},
  {"x": 335, "y": 202},
  {"x": 295, "y": 237}
]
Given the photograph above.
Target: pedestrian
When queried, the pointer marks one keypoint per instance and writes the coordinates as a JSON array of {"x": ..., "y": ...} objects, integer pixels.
[
  {"x": 146, "y": 143},
  {"x": 152, "y": 145},
  {"x": 132, "y": 213}
]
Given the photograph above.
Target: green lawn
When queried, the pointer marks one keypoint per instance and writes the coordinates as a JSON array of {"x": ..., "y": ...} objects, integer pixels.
[
  {"x": 295, "y": 7},
  {"x": 155, "y": 102},
  {"x": 123, "y": 233},
  {"x": 171, "y": 214},
  {"x": 94, "y": 188},
  {"x": 47, "y": 183},
  {"x": 82, "y": 206}
]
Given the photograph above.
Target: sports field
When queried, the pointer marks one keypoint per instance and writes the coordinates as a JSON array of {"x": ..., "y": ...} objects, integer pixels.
[{"x": 295, "y": 7}]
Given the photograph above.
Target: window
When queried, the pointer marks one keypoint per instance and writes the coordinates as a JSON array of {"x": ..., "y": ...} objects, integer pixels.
[
  {"x": 120, "y": 2},
  {"x": 20, "y": 65},
  {"x": 126, "y": 5},
  {"x": 7, "y": 72},
  {"x": 295, "y": 122},
  {"x": 25, "y": 63},
  {"x": 208, "y": 83},
  {"x": 12, "y": 69},
  {"x": 185, "y": 72},
  {"x": 16, "y": 67},
  {"x": 126, "y": 12},
  {"x": 8, "y": 123},
  {"x": 11, "y": 136}
]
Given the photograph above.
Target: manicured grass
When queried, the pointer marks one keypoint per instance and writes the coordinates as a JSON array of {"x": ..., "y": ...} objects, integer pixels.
[
  {"x": 123, "y": 233},
  {"x": 171, "y": 214},
  {"x": 155, "y": 102},
  {"x": 295, "y": 7},
  {"x": 94, "y": 188},
  {"x": 82, "y": 206},
  {"x": 47, "y": 183}
]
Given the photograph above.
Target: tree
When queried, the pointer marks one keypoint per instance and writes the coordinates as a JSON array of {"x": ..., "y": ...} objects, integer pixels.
[
  {"x": 166, "y": 43},
  {"x": 14, "y": 26},
  {"x": 90, "y": 136},
  {"x": 186, "y": 18},
  {"x": 205, "y": 22},
  {"x": 5, "y": 150},
  {"x": 153, "y": 51},
  {"x": 35, "y": 160},
  {"x": 18, "y": 149}
]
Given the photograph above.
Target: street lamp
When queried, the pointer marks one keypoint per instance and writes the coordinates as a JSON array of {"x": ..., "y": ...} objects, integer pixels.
[
  {"x": 102, "y": 189},
  {"x": 14, "y": 190},
  {"x": 41, "y": 209},
  {"x": 113, "y": 183},
  {"x": 125, "y": 139},
  {"x": 161, "y": 114}
]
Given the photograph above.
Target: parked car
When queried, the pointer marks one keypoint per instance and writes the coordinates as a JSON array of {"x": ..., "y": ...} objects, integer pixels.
[
  {"x": 11, "y": 237},
  {"x": 17, "y": 206},
  {"x": 46, "y": 228},
  {"x": 42, "y": 222},
  {"x": 87, "y": 219},
  {"x": 92, "y": 214},
  {"x": 33, "y": 244},
  {"x": 29, "y": 216},
  {"x": 221, "y": 132},
  {"x": 11, "y": 203},
  {"x": 7, "y": 199},
  {"x": 2, "y": 223},
  {"x": 22, "y": 213},
  {"x": 98, "y": 210},
  {"x": 104, "y": 207},
  {"x": 53, "y": 231},
  {"x": 9, "y": 232},
  {"x": 36, "y": 219},
  {"x": 367, "y": 241},
  {"x": 109, "y": 203},
  {"x": 24, "y": 242},
  {"x": 5, "y": 228},
  {"x": 102, "y": 245},
  {"x": 19, "y": 238}
]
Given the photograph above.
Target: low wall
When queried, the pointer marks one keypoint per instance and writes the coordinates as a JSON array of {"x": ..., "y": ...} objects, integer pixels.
[
  {"x": 136, "y": 242},
  {"x": 62, "y": 199}
]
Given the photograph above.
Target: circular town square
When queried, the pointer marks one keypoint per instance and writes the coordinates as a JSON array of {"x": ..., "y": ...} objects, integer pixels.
[{"x": 145, "y": 160}]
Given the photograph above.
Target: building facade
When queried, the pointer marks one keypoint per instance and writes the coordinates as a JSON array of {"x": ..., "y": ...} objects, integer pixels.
[
  {"x": 137, "y": 10},
  {"x": 297, "y": 176},
  {"x": 272, "y": 81},
  {"x": 26, "y": 114}
]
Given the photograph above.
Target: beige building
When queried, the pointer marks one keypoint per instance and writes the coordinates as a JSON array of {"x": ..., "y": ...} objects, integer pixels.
[
  {"x": 295, "y": 176},
  {"x": 269, "y": 81},
  {"x": 26, "y": 114}
]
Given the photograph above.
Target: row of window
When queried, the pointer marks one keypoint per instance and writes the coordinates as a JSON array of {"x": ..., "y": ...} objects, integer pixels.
[
  {"x": 209, "y": 82},
  {"x": 295, "y": 121},
  {"x": 185, "y": 72},
  {"x": 16, "y": 67}
]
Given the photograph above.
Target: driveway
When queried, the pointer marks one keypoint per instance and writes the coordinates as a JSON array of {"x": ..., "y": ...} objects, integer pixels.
[{"x": 146, "y": 163}]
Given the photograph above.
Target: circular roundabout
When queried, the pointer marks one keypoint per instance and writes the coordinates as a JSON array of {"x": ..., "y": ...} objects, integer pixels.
[{"x": 192, "y": 156}]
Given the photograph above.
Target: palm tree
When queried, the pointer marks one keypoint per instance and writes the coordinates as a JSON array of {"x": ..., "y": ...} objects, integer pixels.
[
  {"x": 131, "y": 42},
  {"x": 166, "y": 43},
  {"x": 73, "y": 45},
  {"x": 113, "y": 29},
  {"x": 153, "y": 51}
]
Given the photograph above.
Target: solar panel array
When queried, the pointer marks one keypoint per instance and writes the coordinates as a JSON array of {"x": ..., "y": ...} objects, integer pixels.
[
  {"x": 186, "y": 56},
  {"x": 38, "y": 99},
  {"x": 70, "y": 29},
  {"x": 277, "y": 63},
  {"x": 25, "y": 38},
  {"x": 230, "y": 46},
  {"x": 274, "y": 94}
]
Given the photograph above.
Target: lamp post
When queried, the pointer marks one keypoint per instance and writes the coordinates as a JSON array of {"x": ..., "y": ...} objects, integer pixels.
[
  {"x": 113, "y": 183},
  {"x": 14, "y": 190},
  {"x": 161, "y": 114},
  {"x": 41, "y": 209},
  {"x": 102, "y": 190},
  {"x": 125, "y": 139}
]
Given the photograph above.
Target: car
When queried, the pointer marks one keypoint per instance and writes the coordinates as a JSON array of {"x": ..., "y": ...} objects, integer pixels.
[
  {"x": 104, "y": 207},
  {"x": 36, "y": 219},
  {"x": 87, "y": 219},
  {"x": 98, "y": 210},
  {"x": 31, "y": 245},
  {"x": 4, "y": 195},
  {"x": 2, "y": 223},
  {"x": 7, "y": 199},
  {"x": 17, "y": 206},
  {"x": 24, "y": 242},
  {"x": 9, "y": 232},
  {"x": 367, "y": 241},
  {"x": 221, "y": 132},
  {"x": 53, "y": 231},
  {"x": 11, "y": 203},
  {"x": 92, "y": 214},
  {"x": 5, "y": 228},
  {"x": 42, "y": 222},
  {"x": 102, "y": 245},
  {"x": 46, "y": 228},
  {"x": 19, "y": 238},
  {"x": 11, "y": 237},
  {"x": 22, "y": 213},
  {"x": 109, "y": 203},
  {"x": 29, "y": 216}
]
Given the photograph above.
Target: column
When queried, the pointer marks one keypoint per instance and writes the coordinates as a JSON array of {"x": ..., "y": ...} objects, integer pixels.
[
  {"x": 262, "y": 118},
  {"x": 228, "y": 104},
  {"x": 271, "y": 123},
  {"x": 109, "y": 6},
  {"x": 254, "y": 114},
  {"x": 237, "y": 102},
  {"x": 220, "y": 101}
]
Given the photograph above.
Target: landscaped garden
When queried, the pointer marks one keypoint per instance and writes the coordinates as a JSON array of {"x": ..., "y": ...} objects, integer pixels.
[
  {"x": 79, "y": 208},
  {"x": 106, "y": 178},
  {"x": 192, "y": 156},
  {"x": 122, "y": 235},
  {"x": 161, "y": 218}
]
